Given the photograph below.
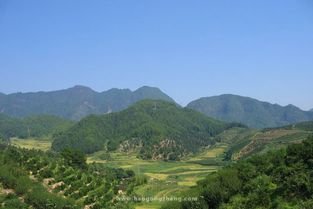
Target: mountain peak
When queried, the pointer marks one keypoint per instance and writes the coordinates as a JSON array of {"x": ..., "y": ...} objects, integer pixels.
[
  {"x": 147, "y": 88},
  {"x": 148, "y": 92},
  {"x": 81, "y": 88},
  {"x": 291, "y": 106}
]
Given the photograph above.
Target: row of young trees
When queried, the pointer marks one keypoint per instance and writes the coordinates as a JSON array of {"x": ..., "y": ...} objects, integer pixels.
[
  {"x": 65, "y": 174},
  {"x": 33, "y": 193}
]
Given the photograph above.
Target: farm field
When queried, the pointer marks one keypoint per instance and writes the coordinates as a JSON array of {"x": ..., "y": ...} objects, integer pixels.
[
  {"x": 31, "y": 143},
  {"x": 165, "y": 179}
]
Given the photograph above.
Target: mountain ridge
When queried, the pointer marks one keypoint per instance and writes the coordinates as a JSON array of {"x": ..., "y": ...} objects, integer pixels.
[
  {"x": 75, "y": 102},
  {"x": 249, "y": 111}
]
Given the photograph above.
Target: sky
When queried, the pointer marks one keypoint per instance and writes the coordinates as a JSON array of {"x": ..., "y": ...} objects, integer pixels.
[{"x": 189, "y": 49}]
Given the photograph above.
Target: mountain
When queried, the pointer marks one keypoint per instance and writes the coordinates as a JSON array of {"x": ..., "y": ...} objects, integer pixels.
[
  {"x": 33, "y": 126},
  {"x": 154, "y": 129},
  {"x": 311, "y": 110},
  {"x": 76, "y": 102},
  {"x": 251, "y": 112}
]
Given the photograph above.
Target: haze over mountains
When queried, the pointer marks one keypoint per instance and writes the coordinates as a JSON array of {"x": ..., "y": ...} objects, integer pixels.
[
  {"x": 248, "y": 111},
  {"x": 76, "y": 102},
  {"x": 79, "y": 101}
]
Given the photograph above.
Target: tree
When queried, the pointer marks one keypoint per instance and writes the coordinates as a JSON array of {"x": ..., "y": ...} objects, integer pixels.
[{"x": 75, "y": 158}]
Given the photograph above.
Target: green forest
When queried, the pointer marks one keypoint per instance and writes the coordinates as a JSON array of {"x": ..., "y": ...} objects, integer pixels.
[
  {"x": 31, "y": 126},
  {"x": 157, "y": 129}
]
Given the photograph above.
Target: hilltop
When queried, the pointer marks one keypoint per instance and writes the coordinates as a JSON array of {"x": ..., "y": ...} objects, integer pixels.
[{"x": 154, "y": 129}]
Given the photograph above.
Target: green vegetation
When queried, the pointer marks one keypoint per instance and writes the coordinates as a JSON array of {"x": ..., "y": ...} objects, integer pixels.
[
  {"x": 76, "y": 102},
  {"x": 32, "y": 192},
  {"x": 261, "y": 141},
  {"x": 74, "y": 158},
  {"x": 46, "y": 180},
  {"x": 280, "y": 179},
  {"x": 248, "y": 111},
  {"x": 170, "y": 179},
  {"x": 305, "y": 126},
  {"x": 152, "y": 128},
  {"x": 33, "y": 126}
]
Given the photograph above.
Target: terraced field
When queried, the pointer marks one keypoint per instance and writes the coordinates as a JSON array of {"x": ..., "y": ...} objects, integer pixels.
[{"x": 264, "y": 141}]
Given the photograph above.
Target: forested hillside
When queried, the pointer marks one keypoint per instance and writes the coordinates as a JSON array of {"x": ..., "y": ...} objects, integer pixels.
[
  {"x": 279, "y": 179},
  {"x": 76, "y": 102},
  {"x": 251, "y": 112},
  {"x": 153, "y": 128},
  {"x": 32, "y": 126}
]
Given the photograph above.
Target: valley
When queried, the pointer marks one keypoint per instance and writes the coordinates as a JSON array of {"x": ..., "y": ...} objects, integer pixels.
[
  {"x": 173, "y": 178},
  {"x": 163, "y": 178}
]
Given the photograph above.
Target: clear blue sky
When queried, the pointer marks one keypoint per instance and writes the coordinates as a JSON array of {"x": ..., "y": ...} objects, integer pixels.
[{"x": 189, "y": 49}]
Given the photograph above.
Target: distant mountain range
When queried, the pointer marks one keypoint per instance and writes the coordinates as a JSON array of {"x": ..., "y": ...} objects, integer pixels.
[
  {"x": 251, "y": 112},
  {"x": 76, "y": 102},
  {"x": 79, "y": 101}
]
